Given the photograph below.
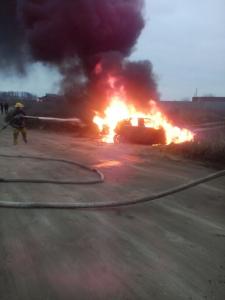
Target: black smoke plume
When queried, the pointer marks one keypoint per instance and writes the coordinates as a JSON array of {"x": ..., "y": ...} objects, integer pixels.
[
  {"x": 62, "y": 29},
  {"x": 79, "y": 35}
]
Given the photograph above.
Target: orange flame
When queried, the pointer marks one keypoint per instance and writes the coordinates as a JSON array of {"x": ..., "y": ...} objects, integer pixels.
[{"x": 118, "y": 111}]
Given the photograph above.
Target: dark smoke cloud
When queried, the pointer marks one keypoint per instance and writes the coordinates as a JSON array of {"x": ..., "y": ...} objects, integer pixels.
[
  {"x": 13, "y": 52},
  {"x": 61, "y": 29},
  {"x": 140, "y": 82},
  {"x": 77, "y": 36}
]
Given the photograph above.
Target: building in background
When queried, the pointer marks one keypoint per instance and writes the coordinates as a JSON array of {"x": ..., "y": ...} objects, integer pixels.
[{"x": 210, "y": 99}]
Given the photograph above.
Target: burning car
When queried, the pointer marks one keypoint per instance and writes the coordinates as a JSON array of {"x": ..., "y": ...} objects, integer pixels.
[
  {"x": 140, "y": 134},
  {"x": 122, "y": 122}
]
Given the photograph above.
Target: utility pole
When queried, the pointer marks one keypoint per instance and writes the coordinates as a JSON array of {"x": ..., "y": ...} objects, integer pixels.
[{"x": 196, "y": 92}]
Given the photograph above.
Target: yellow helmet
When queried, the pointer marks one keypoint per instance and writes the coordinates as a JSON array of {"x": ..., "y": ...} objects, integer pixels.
[{"x": 19, "y": 105}]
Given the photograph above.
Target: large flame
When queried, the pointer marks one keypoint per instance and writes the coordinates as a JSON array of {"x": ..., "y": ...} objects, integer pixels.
[{"x": 119, "y": 109}]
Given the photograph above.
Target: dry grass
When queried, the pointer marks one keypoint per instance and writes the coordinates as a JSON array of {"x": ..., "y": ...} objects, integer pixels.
[{"x": 209, "y": 149}]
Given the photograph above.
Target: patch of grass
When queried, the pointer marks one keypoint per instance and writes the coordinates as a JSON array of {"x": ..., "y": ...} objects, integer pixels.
[{"x": 212, "y": 152}]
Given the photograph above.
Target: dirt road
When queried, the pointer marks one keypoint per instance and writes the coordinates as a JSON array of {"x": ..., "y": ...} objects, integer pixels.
[{"x": 173, "y": 248}]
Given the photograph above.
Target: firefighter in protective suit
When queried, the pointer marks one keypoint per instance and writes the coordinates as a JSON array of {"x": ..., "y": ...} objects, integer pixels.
[{"x": 16, "y": 119}]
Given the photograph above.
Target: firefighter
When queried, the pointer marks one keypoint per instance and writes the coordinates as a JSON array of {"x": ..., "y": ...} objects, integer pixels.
[
  {"x": 16, "y": 119},
  {"x": 2, "y": 107},
  {"x": 6, "y": 107}
]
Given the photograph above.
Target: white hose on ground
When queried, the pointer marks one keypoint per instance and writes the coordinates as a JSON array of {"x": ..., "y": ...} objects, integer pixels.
[
  {"x": 45, "y": 181},
  {"x": 94, "y": 205}
]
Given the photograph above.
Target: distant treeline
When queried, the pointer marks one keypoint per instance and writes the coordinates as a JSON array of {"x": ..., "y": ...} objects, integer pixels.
[{"x": 12, "y": 96}]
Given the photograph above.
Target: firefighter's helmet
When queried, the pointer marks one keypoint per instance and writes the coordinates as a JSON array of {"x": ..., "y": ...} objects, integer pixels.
[{"x": 19, "y": 105}]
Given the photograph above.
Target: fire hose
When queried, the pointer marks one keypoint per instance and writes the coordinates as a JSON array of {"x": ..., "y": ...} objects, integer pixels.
[
  {"x": 93, "y": 205},
  {"x": 60, "y": 120},
  {"x": 45, "y": 181}
]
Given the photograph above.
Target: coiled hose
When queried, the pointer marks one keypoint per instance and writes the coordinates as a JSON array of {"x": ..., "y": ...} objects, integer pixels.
[
  {"x": 44, "y": 181},
  {"x": 93, "y": 205}
]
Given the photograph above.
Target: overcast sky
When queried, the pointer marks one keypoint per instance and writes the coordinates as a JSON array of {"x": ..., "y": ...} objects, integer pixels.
[{"x": 184, "y": 39}]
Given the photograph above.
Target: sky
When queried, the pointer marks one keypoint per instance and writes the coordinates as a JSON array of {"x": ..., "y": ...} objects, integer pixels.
[{"x": 185, "y": 41}]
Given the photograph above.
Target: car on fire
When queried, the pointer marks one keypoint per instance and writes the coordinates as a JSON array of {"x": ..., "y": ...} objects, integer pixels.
[{"x": 126, "y": 132}]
